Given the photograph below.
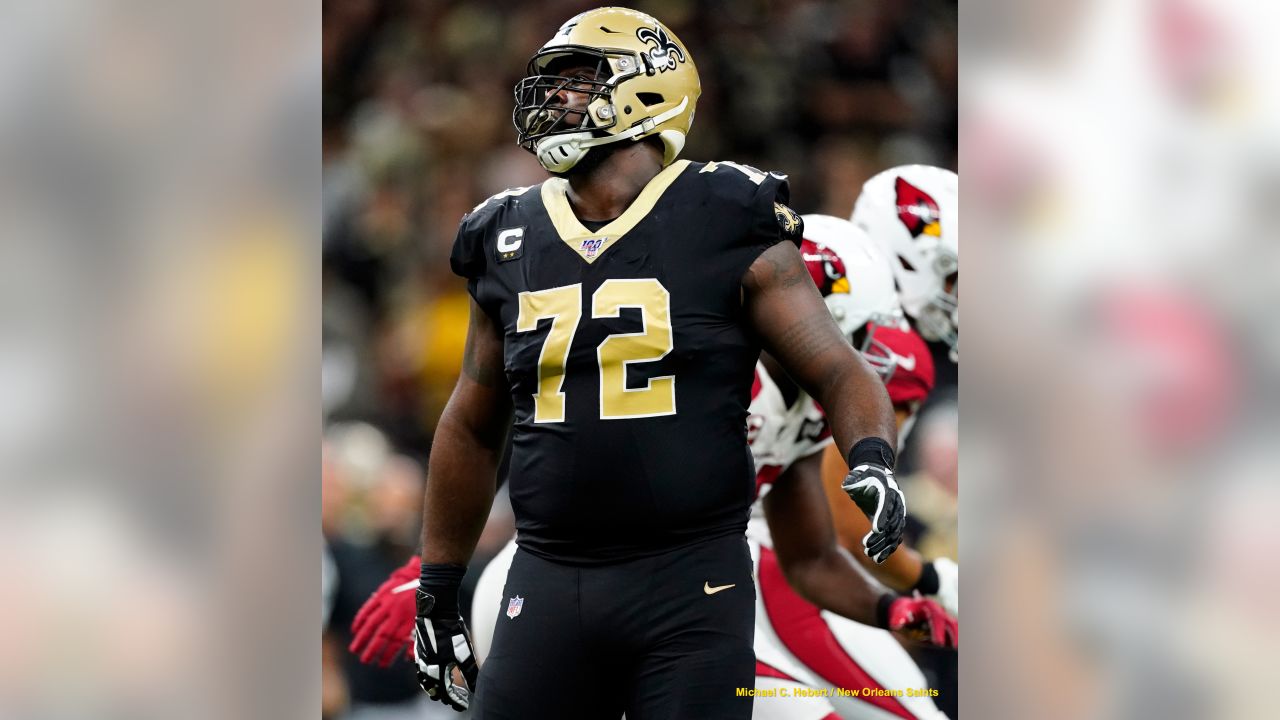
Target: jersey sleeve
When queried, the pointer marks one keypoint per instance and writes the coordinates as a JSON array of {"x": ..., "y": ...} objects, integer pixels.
[
  {"x": 769, "y": 221},
  {"x": 772, "y": 220},
  {"x": 467, "y": 258},
  {"x": 470, "y": 260}
]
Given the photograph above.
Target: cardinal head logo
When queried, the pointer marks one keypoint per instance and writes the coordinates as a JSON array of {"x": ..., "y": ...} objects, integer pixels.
[{"x": 917, "y": 210}]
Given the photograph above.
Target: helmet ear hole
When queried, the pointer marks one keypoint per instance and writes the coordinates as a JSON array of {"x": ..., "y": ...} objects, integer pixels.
[{"x": 649, "y": 99}]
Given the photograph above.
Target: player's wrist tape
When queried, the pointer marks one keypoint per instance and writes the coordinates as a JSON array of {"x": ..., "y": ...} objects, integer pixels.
[
  {"x": 872, "y": 450},
  {"x": 882, "y": 609},
  {"x": 928, "y": 583},
  {"x": 441, "y": 581}
]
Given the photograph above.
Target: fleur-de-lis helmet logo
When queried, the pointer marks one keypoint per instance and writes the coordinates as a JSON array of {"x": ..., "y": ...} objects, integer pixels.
[{"x": 665, "y": 53}]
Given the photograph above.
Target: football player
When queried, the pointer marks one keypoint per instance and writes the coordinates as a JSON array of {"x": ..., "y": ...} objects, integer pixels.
[
  {"x": 903, "y": 360},
  {"x": 617, "y": 313},
  {"x": 800, "y": 644},
  {"x": 787, "y": 432},
  {"x": 911, "y": 212}
]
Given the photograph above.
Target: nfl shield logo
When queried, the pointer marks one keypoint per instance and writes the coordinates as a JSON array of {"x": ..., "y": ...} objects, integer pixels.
[
  {"x": 514, "y": 605},
  {"x": 591, "y": 246}
]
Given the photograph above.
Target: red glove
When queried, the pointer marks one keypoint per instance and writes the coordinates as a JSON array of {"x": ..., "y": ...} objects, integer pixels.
[
  {"x": 920, "y": 618},
  {"x": 384, "y": 624}
]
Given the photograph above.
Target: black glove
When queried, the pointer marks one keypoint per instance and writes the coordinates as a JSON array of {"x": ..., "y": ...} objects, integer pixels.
[
  {"x": 441, "y": 641},
  {"x": 871, "y": 486}
]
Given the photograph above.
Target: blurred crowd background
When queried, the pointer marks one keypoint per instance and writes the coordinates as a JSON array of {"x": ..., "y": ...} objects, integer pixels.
[
  {"x": 417, "y": 130},
  {"x": 159, "y": 341}
]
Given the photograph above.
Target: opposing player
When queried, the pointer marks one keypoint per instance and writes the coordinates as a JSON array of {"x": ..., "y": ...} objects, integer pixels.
[
  {"x": 911, "y": 212},
  {"x": 901, "y": 356},
  {"x": 618, "y": 311},
  {"x": 799, "y": 646}
]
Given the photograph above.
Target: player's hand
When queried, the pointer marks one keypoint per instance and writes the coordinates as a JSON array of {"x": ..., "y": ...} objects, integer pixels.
[
  {"x": 873, "y": 488},
  {"x": 441, "y": 643},
  {"x": 948, "y": 594},
  {"x": 384, "y": 625},
  {"x": 923, "y": 619}
]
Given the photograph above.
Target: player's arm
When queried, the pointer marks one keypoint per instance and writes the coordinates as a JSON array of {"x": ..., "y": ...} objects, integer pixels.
[
  {"x": 467, "y": 447},
  {"x": 823, "y": 573},
  {"x": 795, "y": 327},
  {"x": 815, "y": 565},
  {"x": 461, "y": 480}
]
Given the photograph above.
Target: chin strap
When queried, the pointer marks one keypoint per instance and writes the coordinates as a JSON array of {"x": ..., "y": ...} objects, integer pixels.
[
  {"x": 646, "y": 126},
  {"x": 558, "y": 153}
]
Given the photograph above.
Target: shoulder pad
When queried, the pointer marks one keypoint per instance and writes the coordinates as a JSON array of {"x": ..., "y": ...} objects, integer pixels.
[
  {"x": 743, "y": 185},
  {"x": 497, "y": 200},
  {"x": 468, "y": 256},
  {"x": 730, "y": 170}
]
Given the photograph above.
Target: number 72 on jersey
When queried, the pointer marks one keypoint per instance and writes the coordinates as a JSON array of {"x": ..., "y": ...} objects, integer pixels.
[{"x": 563, "y": 306}]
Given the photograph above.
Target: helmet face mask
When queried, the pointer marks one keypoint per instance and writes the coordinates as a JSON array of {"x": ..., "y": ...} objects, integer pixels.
[
  {"x": 644, "y": 84},
  {"x": 878, "y": 355},
  {"x": 938, "y": 321},
  {"x": 939, "y": 317},
  {"x": 537, "y": 114}
]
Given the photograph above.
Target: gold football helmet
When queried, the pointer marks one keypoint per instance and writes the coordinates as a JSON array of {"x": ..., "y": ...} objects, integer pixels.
[{"x": 644, "y": 83}]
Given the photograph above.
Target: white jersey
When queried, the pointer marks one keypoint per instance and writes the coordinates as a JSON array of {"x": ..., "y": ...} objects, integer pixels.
[
  {"x": 812, "y": 648},
  {"x": 779, "y": 435}
]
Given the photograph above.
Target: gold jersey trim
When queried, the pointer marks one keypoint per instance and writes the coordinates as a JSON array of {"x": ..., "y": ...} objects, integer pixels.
[{"x": 576, "y": 236}]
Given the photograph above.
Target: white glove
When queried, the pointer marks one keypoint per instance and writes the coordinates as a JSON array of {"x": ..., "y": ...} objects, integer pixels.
[{"x": 948, "y": 594}]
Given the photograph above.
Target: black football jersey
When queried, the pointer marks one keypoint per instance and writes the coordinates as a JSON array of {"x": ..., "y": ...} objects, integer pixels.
[{"x": 628, "y": 357}]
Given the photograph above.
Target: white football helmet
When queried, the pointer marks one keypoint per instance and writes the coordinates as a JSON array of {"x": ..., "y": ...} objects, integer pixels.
[
  {"x": 856, "y": 282},
  {"x": 911, "y": 212}
]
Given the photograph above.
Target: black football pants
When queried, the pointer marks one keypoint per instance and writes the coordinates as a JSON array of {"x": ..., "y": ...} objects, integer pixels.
[{"x": 658, "y": 638}]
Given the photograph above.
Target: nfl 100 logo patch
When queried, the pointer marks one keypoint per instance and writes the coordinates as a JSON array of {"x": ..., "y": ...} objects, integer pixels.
[
  {"x": 514, "y": 605},
  {"x": 591, "y": 246}
]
